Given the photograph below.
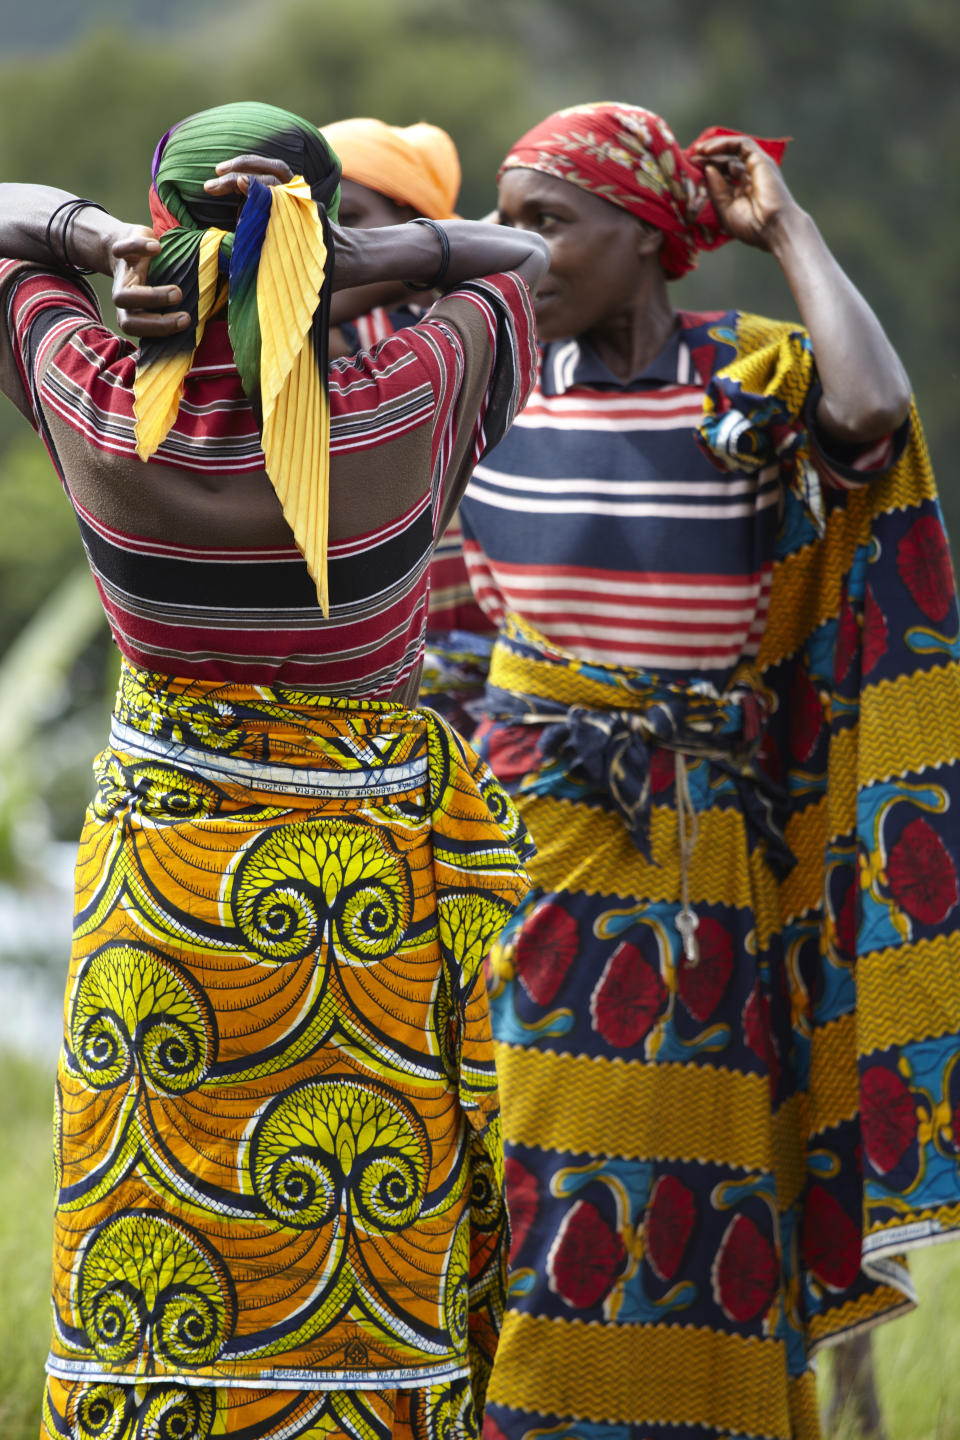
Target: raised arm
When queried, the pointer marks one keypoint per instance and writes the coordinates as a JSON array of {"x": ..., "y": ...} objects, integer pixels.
[
  {"x": 52, "y": 227},
  {"x": 413, "y": 252},
  {"x": 866, "y": 392},
  {"x": 42, "y": 224},
  {"x": 406, "y": 252}
]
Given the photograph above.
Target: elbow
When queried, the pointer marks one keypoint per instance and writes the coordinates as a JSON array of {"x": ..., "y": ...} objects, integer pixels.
[
  {"x": 900, "y": 407},
  {"x": 538, "y": 263},
  {"x": 877, "y": 414},
  {"x": 890, "y": 408}
]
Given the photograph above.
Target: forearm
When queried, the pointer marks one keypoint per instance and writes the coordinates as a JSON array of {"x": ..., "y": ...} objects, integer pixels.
[
  {"x": 866, "y": 392},
  {"x": 26, "y": 212},
  {"x": 361, "y": 299},
  {"x": 412, "y": 252}
]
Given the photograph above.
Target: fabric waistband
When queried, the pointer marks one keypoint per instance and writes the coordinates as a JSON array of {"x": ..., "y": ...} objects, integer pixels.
[
  {"x": 601, "y": 721},
  {"x": 535, "y": 681},
  {"x": 173, "y": 740},
  {"x": 268, "y": 739}
]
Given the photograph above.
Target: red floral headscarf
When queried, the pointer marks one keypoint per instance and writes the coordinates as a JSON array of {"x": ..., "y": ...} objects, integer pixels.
[{"x": 629, "y": 156}]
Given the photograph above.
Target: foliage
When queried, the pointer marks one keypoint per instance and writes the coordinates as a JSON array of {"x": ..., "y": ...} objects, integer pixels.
[
  {"x": 52, "y": 673},
  {"x": 917, "y": 1356},
  {"x": 40, "y": 541},
  {"x": 37, "y": 26}
]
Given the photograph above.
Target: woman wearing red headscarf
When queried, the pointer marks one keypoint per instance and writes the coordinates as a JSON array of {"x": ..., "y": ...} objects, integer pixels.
[{"x": 725, "y": 697}]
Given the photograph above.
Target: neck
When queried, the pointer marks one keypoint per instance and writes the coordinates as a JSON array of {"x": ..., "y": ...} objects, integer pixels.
[{"x": 627, "y": 341}]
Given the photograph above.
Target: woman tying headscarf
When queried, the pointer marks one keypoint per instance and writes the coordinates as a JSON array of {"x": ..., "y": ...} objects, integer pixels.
[
  {"x": 279, "y": 1207},
  {"x": 392, "y": 173},
  {"x": 389, "y": 174},
  {"x": 725, "y": 698}
]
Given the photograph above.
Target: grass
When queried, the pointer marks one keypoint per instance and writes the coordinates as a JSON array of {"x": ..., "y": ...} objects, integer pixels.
[
  {"x": 917, "y": 1357},
  {"x": 26, "y": 1228}
]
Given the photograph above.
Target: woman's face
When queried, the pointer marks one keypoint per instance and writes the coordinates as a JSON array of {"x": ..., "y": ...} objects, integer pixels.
[
  {"x": 364, "y": 209},
  {"x": 599, "y": 253}
]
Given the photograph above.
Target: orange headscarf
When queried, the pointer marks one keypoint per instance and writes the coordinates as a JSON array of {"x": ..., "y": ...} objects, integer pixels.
[{"x": 415, "y": 165}]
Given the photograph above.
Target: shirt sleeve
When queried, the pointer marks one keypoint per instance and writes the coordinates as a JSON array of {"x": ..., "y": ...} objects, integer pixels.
[
  {"x": 847, "y": 467},
  {"x": 760, "y": 408},
  {"x": 39, "y": 310},
  {"x": 479, "y": 344}
]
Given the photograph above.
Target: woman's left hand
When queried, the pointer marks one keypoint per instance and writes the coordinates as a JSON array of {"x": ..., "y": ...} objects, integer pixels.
[
  {"x": 747, "y": 189},
  {"x": 144, "y": 311}
]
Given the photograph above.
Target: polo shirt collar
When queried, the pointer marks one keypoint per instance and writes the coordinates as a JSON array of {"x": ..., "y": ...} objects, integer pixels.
[{"x": 573, "y": 362}]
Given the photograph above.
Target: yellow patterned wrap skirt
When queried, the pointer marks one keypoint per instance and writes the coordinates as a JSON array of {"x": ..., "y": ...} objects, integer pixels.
[{"x": 279, "y": 1162}]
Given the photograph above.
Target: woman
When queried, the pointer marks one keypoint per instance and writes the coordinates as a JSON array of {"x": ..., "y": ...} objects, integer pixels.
[
  {"x": 714, "y": 551},
  {"x": 278, "y": 1204},
  {"x": 390, "y": 174}
]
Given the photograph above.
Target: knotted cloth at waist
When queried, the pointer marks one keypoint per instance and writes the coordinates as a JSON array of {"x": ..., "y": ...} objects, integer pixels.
[{"x": 601, "y": 724}]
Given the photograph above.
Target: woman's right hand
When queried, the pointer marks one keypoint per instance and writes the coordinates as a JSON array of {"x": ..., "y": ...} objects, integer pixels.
[
  {"x": 233, "y": 176},
  {"x": 143, "y": 310}
]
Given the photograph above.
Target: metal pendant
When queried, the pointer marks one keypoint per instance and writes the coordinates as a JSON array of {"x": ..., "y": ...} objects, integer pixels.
[{"x": 686, "y": 922}]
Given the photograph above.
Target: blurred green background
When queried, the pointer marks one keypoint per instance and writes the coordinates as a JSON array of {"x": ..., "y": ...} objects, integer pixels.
[{"x": 867, "y": 89}]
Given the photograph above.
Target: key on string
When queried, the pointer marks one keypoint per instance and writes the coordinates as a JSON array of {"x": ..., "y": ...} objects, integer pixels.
[{"x": 686, "y": 922}]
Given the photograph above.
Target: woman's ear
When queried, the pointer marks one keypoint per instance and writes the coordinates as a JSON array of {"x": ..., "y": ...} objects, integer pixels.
[{"x": 649, "y": 239}]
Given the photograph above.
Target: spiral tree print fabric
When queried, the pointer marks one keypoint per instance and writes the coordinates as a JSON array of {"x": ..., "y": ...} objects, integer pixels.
[{"x": 278, "y": 1145}]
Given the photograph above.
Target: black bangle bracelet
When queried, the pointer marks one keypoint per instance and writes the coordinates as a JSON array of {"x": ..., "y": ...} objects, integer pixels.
[
  {"x": 444, "y": 254},
  {"x": 70, "y": 209}
]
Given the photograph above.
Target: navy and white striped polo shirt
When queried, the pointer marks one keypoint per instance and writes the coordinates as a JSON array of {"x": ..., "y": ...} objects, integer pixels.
[{"x": 600, "y": 520}]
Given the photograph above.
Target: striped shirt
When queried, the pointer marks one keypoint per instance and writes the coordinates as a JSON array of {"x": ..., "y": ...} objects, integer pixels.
[
  {"x": 452, "y": 604},
  {"x": 601, "y": 521},
  {"x": 366, "y": 331},
  {"x": 194, "y": 563}
]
